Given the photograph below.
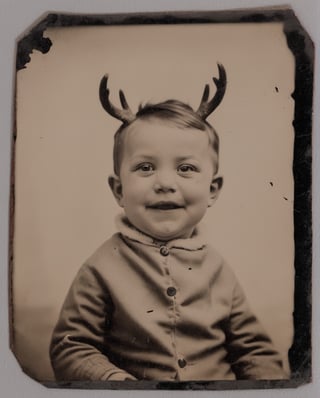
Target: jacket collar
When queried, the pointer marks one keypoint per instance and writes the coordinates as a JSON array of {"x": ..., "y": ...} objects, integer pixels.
[{"x": 195, "y": 242}]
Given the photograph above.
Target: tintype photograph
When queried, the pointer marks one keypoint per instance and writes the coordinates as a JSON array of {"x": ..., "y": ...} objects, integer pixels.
[{"x": 161, "y": 201}]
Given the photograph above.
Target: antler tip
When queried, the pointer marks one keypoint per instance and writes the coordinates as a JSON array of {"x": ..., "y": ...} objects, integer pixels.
[
  {"x": 207, "y": 107},
  {"x": 222, "y": 71},
  {"x": 125, "y": 114},
  {"x": 104, "y": 83}
]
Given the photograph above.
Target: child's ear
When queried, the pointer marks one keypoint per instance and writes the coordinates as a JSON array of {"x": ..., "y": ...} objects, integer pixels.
[
  {"x": 116, "y": 188},
  {"x": 215, "y": 187}
]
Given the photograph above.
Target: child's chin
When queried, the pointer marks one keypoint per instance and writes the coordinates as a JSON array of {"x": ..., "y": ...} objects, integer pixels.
[{"x": 169, "y": 234}]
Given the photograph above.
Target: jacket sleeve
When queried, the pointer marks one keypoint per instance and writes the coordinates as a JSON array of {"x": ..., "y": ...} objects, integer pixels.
[
  {"x": 250, "y": 350},
  {"x": 77, "y": 345}
]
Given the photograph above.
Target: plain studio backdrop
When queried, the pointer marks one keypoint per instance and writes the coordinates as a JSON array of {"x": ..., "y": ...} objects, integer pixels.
[{"x": 64, "y": 208}]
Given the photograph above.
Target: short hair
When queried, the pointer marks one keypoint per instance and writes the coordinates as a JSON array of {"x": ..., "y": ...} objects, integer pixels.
[{"x": 173, "y": 112}]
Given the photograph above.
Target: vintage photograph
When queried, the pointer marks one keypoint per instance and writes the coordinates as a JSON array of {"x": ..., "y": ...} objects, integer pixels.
[{"x": 154, "y": 232}]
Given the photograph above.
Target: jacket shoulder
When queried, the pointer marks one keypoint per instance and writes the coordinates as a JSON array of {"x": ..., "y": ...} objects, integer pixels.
[
  {"x": 106, "y": 253},
  {"x": 214, "y": 258}
]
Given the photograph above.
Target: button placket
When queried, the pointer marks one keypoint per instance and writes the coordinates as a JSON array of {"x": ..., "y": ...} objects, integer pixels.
[{"x": 171, "y": 292}]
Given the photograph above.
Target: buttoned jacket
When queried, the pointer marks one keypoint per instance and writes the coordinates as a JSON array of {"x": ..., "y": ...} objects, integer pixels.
[{"x": 140, "y": 309}]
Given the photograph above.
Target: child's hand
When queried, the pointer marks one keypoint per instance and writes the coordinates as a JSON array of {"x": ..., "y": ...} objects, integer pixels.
[{"x": 121, "y": 376}]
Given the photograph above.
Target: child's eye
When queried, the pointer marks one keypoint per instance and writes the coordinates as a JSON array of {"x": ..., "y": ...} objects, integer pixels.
[
  {"x": 145, "y": 167},
  {"x": 187, "y": 168}
]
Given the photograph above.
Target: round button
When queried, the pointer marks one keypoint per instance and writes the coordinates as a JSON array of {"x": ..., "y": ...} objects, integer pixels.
[
  {"x": 164, "y": 251},
  {"x": 182, "y": 363},
  {"x": 171, "y": 291}
]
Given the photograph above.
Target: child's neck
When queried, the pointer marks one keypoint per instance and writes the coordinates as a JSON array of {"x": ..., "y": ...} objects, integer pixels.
[
  {"x": 161, "y": 242},
  {"x": 155, "y": 240}
]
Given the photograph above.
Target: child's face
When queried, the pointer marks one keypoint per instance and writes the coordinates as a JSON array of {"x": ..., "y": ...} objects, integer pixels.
[{"x": 166, "y": 178}]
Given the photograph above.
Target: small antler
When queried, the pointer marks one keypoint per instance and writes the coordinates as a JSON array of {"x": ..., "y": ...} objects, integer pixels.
[
  {"x": 125, "y": 114},
  {"x": 207, "y": 107}
]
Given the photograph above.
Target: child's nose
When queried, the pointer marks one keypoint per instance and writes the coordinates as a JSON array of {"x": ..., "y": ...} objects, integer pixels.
[{"x": 165, "y": 182}]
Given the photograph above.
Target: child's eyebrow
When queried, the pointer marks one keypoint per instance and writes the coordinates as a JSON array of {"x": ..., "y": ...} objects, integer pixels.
[
  {"x": 184, "y": 158},
  {"x": 142, "y": 157},
  {"x": 145, "y": 157}
]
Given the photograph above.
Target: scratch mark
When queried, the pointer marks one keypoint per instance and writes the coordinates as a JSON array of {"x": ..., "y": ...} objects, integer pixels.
[
  {"x": 277, "y": 90},
  {"x": 285, "y": 198},
  {"x": 148, "y": 312}
]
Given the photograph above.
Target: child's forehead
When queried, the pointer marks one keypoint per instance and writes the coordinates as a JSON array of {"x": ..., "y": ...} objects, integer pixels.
[
  {"x": 166, "y": 137},
  {"x": 163, "y": 134},
  {"x": 162, "y": 130},
  {"x": 157, "y": 122}
]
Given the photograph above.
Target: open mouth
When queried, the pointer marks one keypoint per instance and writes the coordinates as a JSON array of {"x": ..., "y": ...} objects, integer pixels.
[{"x": 165, "y": 206}]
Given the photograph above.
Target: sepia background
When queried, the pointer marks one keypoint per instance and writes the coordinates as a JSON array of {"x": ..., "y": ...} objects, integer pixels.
[{"x": 64, "y": 208}]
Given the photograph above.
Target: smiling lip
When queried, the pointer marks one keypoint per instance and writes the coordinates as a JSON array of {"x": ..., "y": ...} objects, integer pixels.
[{"x": 164, "y": 206}]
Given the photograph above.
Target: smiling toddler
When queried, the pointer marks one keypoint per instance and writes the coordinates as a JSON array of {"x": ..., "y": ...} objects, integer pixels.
[{"x": 155, "y": 301}]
